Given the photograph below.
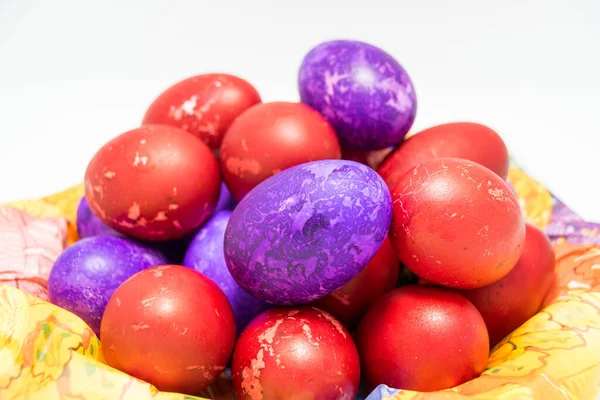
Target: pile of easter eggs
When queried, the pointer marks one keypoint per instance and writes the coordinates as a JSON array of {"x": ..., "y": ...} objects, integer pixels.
[{"x": 309, "y": 247}]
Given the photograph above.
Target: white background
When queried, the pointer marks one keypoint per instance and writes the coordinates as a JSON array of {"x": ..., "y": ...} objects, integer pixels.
[{"x": 73, "y": 74}]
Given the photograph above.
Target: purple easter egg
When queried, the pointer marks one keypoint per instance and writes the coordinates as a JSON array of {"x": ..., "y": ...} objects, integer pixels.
[
  {"x": 85, "y": 275},
  {"x": 306, "y": 231},
  {"x": 362, "y": 91},
  {"x": 88, "y": 224},
  {"x": 226, "y": 200},
  {"x": 205, "y": 254}
]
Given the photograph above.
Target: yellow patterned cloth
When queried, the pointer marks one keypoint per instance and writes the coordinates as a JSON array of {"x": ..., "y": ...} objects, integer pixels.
[{"x": 48, "y": 353}]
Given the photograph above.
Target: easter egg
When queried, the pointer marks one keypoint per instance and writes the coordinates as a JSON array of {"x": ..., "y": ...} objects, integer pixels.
[
  {"x": 508, "y": 303},
  {"x": 468, "y": 140},
  {"x": 153, "y": 183},
  {"x": 295, "y": 353},
  {"x": 87, "y": 273},
  {"x": 364, "y": 93},
  {"x": 422, "y": 338},
  {"x": 305, "y": 232},
  {"x": 205, "y": 254},
  {"x": 350, "y": 302},
  {"x": 170, "y": 326},
  {"x": 271, "y": 137},
  {"x": 203, "y": 105},
  {"x": 456, "y": 223}
]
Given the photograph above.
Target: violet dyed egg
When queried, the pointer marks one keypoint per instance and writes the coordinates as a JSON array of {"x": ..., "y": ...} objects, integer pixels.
[
  {"x": 306, "y": 231},
  {"x": 205, "y": 254},
  {"x": 362, "y": 91},
  {"x": 87, "y": 273}
]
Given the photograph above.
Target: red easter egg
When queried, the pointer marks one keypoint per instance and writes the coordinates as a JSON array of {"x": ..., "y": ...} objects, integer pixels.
[
  {"x": 422, "y": 338},
  {"x": 203, "y": 105},
  {"x": 352, "y": 300},
  {"x": 155, "y": 182},
  {"x": 170, "y": 326},
  {"x": 295, "y": 353},
  {"x": 468, "y": 140},
  {"x": 508, "y": 303},
  {"x": 270, "y": 137},
  {"x": 456, "y": 223}
]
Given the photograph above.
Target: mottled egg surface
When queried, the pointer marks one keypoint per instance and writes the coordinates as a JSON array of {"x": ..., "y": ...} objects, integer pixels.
[
  {"x": 305, "y": 232},
  {"x": 203, "y": 105},
  {"x": 364, "y": 93},
  {"x": 205, "y": 254},
  {"x": 155, "y": 182}
]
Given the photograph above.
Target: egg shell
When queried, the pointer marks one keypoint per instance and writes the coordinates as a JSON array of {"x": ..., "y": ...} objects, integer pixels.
[
  {"x": 422, "y": 338},
  {"x": 456, "y": 223},
  {"x": 467, "y": 140},
  {"x": 295, "y": 353},
  {"x": 87, "y": 273},
  {"x": 364, "y": 93},
  {"x": 352, "y": 300},
  {"x": 153, "y": 183},
  {"x": 508, "y": 303},
  {"x": 270, "y": 137},
  {"x": 89, "y": 225},
  {"x": 203, "y": 105},
  {"x": 170, "y": 326},
  {"x": 307, "y": 231},
  {"x": 205, "y": 254}
]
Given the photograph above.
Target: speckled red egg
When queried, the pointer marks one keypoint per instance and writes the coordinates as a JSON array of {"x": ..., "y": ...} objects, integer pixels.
[
  {"x": 456, "y": 223},
  {"x": 170, "y": 326},
  {"x": 422, "y": 338},
  {"x": 203, "y": 105},
  {"x": 155, "y": 182},
  {"x": 350, "y": 302},
  {"x": 295, "y": 353},
  {"x": 270, "y": 137}
]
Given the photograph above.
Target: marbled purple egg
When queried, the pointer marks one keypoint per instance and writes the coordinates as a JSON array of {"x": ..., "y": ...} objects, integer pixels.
[
  {"x": 362, "y": 91},
  {"x": 306, "y": 231},
  {"x": 85, "y": 275},
  {"x": 205, "y": 254}
]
